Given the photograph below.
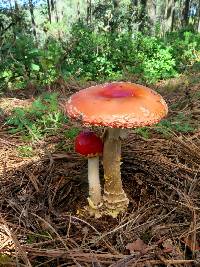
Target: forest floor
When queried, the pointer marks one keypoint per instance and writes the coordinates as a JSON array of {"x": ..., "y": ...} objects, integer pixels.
[{"x": 41, "y": 197}]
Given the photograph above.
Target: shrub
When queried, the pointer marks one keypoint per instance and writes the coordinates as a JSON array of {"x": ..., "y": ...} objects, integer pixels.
[
  {"x": 185, "y": 48},
  {"x": 89, "y": 56},
  {"x": 101, "y": 54},
  {"x": 153, "y": 60},
  {"x": 97, "y": 55},
  {"x": 42, "y": 118},
  {"x": 23, "y": 62}
]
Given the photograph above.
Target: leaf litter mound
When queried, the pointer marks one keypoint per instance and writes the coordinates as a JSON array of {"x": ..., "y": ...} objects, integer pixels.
[{"x": 42, "y": 221}]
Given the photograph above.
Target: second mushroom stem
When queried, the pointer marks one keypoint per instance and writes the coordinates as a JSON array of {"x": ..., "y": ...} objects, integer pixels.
[
  {"x": 115, "y": 199},
  {"x": 95, "y": 197}
]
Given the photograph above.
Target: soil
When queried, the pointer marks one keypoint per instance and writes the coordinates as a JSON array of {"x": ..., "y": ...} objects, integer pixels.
[{"x": 42, "y": 198}]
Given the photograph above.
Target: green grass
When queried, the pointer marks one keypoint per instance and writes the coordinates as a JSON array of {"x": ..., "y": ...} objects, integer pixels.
[
  {"x": 25, "y": 151},
  {"x": 41, "y": 119},
  {"x": 71, "y": 133},
  {"x": 177, "y": 124}
]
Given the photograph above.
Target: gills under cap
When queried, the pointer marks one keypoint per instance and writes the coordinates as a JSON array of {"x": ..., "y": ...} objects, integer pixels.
[{"x": 117, "y": 105}]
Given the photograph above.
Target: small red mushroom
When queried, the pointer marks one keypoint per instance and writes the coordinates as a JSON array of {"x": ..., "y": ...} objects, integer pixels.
[
  {"x": 116, "y": 105},
  {"x": 88, "y": 144}
]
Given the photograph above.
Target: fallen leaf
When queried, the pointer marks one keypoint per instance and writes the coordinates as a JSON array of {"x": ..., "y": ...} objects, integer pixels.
[{"x": 137, "y": 245}]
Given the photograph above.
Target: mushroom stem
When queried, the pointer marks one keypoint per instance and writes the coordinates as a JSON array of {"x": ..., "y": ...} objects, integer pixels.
[
  {"x": 95, "y": 197},
  {"x": 114, "y": 197}
]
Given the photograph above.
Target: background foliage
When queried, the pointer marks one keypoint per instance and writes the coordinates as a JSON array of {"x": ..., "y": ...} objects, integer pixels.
[{"x": 42, "y": 41}]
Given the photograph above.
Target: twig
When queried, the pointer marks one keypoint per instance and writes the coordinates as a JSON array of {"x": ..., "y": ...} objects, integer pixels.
[
  {"x": 7, "y": 142},
  {"x": 16, "y": 242}
]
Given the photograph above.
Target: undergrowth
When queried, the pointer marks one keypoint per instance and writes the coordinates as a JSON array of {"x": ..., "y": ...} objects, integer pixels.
[
  {"x": 176, "y": 124},
  {"x": 41, "y": 119},
  {"x": 44, "y": 118},
  {"x": 25, "y": 151},
  {"x": 96, "y": 55}
]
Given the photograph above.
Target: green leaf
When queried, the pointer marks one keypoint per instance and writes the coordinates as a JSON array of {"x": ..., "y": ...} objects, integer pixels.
[{"x": 35, "y": 67}]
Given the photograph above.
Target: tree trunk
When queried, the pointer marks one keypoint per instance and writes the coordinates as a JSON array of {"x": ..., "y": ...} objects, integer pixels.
[
  {"x": 32, "y": 19},
  {"x": 151, "y": 10},
  {"x": 52, "y": 5},
  {"x": 142, "y": 15},
  {"x": 57, "y": 15},
  {"x": 169, "y": 11},
  {"x": 89, "y": 12},
  {"x": 49, "y": 10},
  {"x": 185, "y": 20},
  {"x": 54, "y": 13},
  {"x": 78, "y": 12},
  {"x": 173, "y": 19},
  {"x": 198, "y": 28},
  {"x": 130, "y": 16},
  {"x": 114, "y": 24},
  {"x": 16, "y": 6},
  {"x": 14, "y": 18}
]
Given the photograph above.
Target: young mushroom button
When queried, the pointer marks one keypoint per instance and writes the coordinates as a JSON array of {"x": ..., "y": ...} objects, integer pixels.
[
  {"x": 88, "y": 144},
  {"x": 116, "y": 105}
]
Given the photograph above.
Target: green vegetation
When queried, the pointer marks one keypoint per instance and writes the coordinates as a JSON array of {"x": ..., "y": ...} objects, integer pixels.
[
  {"x": 111, "y": 56},
  {"x": 5, "y": 259},
  {"x": 34, "y": 237},
  {"x": 97, "y": 56},
  {"x": 42, "y": 118},
  {"x": 176, "y": 124},
  {"x": 46, "y": 43},
  {"x": 25, "y": 151},
  {"x": 23, "y": 63},
  {"x": 71, "y": 133},
  {"x": 103, "y": 40}
]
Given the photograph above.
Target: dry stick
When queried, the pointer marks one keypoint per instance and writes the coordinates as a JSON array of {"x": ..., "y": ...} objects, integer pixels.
[
  {"x": 16, "y": 242},
  {"x": 116, "y": 229},
  {"x": 102, "y": 258},
  {"x": 7, "y": 142},
  {"x": 34, "y": 181},
  {"x": 44, "y": 263},
  {"x": 194, "y": 183},
  {"x": 194, "y": 235},
  {"x": 173, "y": 261},
  {"x": 193, "y": 226},
  {"x": 69, "y": 226},
  {"x": 123, "y": 262},
  {"x": 54, "y": 253},
  {"x": 183, "y": 195},
  {"x": 190, "y": 232}
]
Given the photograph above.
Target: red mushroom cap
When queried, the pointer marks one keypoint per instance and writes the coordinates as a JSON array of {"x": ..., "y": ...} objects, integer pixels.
[
  {"x": 88, "y": 144},
  {"x": 117, "y": 105}
]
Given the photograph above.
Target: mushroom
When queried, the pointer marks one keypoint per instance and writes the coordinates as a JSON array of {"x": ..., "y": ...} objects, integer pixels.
[
  {"x": 88, "y": 144},
  {"x": 116, "y": 105}
]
